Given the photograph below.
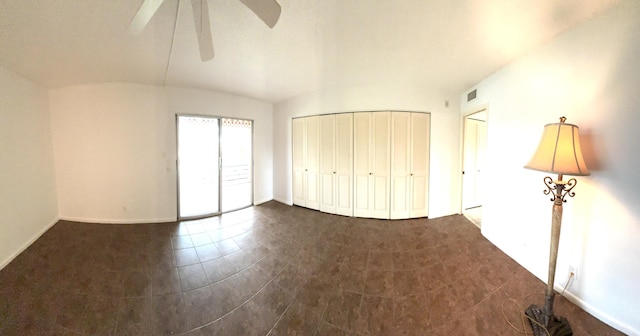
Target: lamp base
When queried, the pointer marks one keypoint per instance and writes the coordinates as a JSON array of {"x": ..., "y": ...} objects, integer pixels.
[{"x": 558, "y": 326}]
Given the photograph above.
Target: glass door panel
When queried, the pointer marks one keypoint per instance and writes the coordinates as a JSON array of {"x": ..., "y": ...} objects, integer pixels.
[
  {"x": 237, "y": 169},
  {"x": 198, "y": 171}
]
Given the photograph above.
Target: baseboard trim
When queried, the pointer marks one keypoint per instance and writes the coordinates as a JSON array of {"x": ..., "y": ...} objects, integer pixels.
[
  {"x": 597, "y": 313},
  {"x": 118, "y": 221},
  {"x": 27, "y": 244},
  {"x": 283, "y": 201},
  {"x": 262, "y": 201}
]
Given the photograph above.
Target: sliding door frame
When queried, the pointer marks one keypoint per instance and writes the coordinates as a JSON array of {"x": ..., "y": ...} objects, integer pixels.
[{"x": 251, "y": 166}]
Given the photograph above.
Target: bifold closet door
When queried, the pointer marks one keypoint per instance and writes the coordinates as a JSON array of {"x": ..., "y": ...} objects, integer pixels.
[
  {"x": 371, "y": 136},
  {"x": 344, "y": 164},
  {"x": 400, "y": 165},
  {"x": 306, "y": 174},
  {"x": 361, "y": 165},
  {"x": 409, "y": 164},
  {"x": 420, "y": 151},
  {"x": 297, "y": 135},
  {"x": 328, "y": 163},
  {"x": 336, "y": 168}
]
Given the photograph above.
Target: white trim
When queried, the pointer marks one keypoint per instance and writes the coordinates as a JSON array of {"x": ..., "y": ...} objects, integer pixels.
[
  {"x": 265, "y": 200},
  {"x": 283, "y": 201},
  {"x": 118, "y": 221},
  {"x": 27, "y": 244},
  {"x": 597, "y": 313}
]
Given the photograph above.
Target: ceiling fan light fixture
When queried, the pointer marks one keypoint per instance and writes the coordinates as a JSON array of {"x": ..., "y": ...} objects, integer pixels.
[{"x": 267, "y": 10}]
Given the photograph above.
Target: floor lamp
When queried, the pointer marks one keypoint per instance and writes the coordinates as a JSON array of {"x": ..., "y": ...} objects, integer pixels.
[{"x": 558, "y": 153}]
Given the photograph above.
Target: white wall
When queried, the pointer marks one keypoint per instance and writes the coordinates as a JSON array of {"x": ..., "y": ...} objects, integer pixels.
[
  {"x": 591, "y": 75},
  {"x": 445, "y": 126},
  {"x": 27, "y": 182},
  {"x": 115, "y": 148}
]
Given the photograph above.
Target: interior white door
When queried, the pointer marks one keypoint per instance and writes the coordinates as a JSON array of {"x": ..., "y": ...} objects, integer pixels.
[
  {"x": 474, "y": 144},
  {"x": 400, "y": 164},
  {"x": 380, "y": 181},
  {"x": 480, "y": 159},
  {"x": 344, "y": 164},
  {"x": 312, "y": 162},
  {"x": 298, "y": 157},
  {"x": 328, "y": 163},
  {"x": 419, "y": 176},
  {"x": 362, "y": 164}
]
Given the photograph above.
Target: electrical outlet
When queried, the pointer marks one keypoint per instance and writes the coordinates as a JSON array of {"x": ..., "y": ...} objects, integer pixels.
[{"x": 574, "y": 270}]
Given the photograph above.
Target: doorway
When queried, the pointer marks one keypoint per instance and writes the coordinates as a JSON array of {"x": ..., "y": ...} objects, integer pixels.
[
  {"x": 215, "y": 170},
  {"x": 474, "y": 149}
]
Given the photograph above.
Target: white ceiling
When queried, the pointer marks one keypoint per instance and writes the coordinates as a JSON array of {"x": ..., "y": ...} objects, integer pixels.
[{"x": 446, "y": 45}]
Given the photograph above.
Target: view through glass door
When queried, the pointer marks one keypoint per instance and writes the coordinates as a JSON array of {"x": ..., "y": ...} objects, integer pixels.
[
  {"x": 214, "y": 165},
  {"x": 198, "y": 173},
  {"x": 237, "y": 172}
]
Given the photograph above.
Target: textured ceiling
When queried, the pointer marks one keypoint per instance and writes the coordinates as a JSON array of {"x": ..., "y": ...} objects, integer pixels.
[{"x": 446, "y": 45}]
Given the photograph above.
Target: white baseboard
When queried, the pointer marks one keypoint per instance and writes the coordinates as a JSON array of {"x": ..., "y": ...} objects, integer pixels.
[
  {"x": 118, "y": 221},
  {"x": 600, "y": 315},
  {"x": 283, "y": 201},
  {"x": 27, "y": 244},
  {"x": 258, "y": 202}
]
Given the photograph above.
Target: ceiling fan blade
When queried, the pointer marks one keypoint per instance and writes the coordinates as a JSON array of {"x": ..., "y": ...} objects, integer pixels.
[
  {"x": 267, "y": 10},
  {"x": 203, "y": 28},
  {"x": 144, "y": 14}
]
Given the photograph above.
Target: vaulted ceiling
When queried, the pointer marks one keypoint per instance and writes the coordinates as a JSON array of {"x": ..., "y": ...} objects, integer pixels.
[{"x": 446, "y": 45}]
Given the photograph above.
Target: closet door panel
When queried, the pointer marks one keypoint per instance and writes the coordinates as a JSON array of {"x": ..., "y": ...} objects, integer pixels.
[
  {"x": 419, "y": 196},
  {"x": 327, "y": 163},
  {"x": 361, "y": 145},
  {"x": 361, "y": 206},
  {"x": 381, "y": 143},
  {"x": 297, "y": 135},
  {"x": 344, "y": 164},
  {"x": 361, "y": 164},
  {"x": 312, "y": 137},
  {"x": 380, "y": 164},
  {"x": 400, "y": 164},
  {"x": 420, "y": 143}
]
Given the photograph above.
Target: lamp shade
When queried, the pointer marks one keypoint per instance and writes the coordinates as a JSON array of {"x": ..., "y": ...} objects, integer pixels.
[{"x": 559, "y": 151}]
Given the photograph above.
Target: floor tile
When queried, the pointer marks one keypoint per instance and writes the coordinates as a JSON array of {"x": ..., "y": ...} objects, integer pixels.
[{"x": 272, "y": 270}]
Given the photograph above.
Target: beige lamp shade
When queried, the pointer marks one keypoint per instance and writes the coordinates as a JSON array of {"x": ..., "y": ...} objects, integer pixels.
[{"x": 559, "y": 151}]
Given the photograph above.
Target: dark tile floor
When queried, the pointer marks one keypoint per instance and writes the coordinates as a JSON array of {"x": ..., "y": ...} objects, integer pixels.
[{"x": 271, "y": 270}]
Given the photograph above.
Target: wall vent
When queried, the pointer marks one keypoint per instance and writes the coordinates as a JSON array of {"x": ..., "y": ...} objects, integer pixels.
[{"x": 472, "y": 95}]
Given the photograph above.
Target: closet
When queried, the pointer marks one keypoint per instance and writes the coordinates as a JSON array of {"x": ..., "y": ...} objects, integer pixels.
[{"x": 363, "y": 164}]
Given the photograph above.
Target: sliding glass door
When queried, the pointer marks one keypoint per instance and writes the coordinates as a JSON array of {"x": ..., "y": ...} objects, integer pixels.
[
  {"x": 236, "y": 147},
  {"x": 214, "y": 165},
  {"x": 198, "y": 173}
]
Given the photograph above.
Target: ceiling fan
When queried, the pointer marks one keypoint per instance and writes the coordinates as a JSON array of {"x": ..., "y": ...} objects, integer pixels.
[{"x": 267, "y": 10}]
